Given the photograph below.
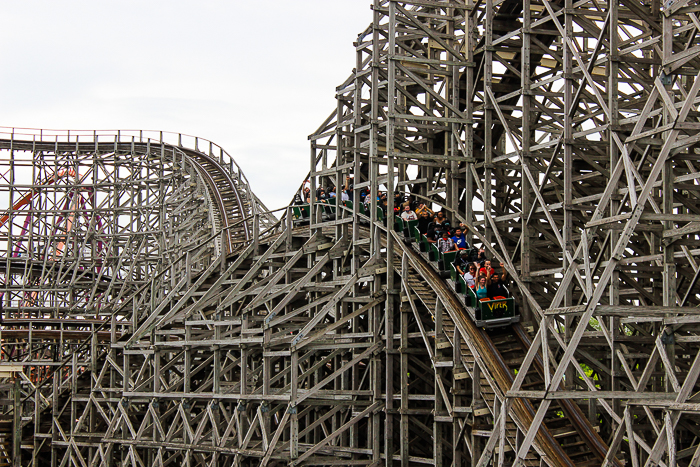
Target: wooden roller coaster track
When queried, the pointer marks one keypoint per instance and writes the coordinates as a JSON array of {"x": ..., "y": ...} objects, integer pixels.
[{"x": 156, "y": 313}]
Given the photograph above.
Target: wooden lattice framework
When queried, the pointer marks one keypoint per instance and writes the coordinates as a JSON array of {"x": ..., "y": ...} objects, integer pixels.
[{"x": 563, "y": 134}]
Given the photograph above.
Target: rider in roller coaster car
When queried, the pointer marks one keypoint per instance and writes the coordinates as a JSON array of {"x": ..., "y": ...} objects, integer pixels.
[
  {"x": 445, "y": 243},
  {"x": 496, "y": 287},
  {"x": 487, "y": 270},
  {"x": 410, "y": 202},
  {"x": 496, "y": 290},
  {"x": 441, "y": 220},
  {"x": 461, "y": 262},
  {"x": 348, "y": 187},
  {"x": 424, "y": 222},
  {"x": 470, "y": 275},
  {"x": 460, "y": 239},
  {"x": 481, "y": 289},
  {"x": 408, "y": 215},
  {"x": 434, "y": 233},
  {"x": 481, "y": 255},
  {"x": 422, "y": 208}
]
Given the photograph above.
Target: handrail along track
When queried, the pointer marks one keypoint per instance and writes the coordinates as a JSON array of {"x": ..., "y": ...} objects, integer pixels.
[{"x": 221, "y": 186}]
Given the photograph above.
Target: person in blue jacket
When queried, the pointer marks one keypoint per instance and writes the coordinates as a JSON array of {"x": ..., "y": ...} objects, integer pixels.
[{"x": 460, "y": 239}]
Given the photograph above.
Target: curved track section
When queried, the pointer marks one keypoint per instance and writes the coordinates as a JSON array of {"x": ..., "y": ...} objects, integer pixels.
[
  {"x": 99, "y": 233},
  {"x": 235, "y": 206},
  {"x": 562, "y": 134},
  {"x": 233, "y": 212}
]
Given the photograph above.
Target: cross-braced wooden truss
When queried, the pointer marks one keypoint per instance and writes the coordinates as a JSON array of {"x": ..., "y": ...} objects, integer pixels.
[
  {"x": 162, "y": 316},
  {"x": 100, "y": 233}
]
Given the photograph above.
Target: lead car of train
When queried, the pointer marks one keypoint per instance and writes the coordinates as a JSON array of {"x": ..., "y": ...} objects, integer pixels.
[
  {"x": 486, "y": 312},
  {"x": 489, "y": 313}
]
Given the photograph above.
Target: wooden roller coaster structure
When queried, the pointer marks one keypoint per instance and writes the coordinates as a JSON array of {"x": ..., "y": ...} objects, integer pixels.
[{"x": 180, "y": 323}]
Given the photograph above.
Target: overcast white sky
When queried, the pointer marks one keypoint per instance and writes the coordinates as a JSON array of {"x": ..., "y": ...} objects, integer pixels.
[{"x": 254, "y": 77}]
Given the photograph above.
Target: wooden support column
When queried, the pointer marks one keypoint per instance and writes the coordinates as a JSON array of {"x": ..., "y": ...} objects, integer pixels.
[
  {"x": 458, "y": 398},
  {"x": 390, "y": 259},
  {"x": 374, "y": 321},
  {"x": 405, "y": 315},
  {"x": 667, "y": 192},
  {"x": 439, "y": 409},
  {"x": 489, "y": 142},
  {"x": 568, "y": 163},
  {"x": 452, "y": 91},
  {"x": 243, "y": 391},
  {"x": 17, "y": 422},
  {"x": 477, "y": 403},
  {"x": 293, "y": 408},
  {"x": 525, "y": 187},
  {"x": 54, "y": 428},
  {"x": 613, "y": 105},
  {"x": 470, "y": 38},
  {"x": 357, "y": 165},
  {"x": 37, "y": 427}
]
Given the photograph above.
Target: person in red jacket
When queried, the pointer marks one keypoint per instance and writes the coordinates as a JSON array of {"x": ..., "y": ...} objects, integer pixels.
[{"x": 487, "y": 270}]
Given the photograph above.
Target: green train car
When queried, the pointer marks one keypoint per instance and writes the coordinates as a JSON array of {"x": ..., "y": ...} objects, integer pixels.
[{"x": 492, "y": 313}]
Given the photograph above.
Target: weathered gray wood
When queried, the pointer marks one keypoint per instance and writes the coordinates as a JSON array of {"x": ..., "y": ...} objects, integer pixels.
[{"x": 562, "y": 134}]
